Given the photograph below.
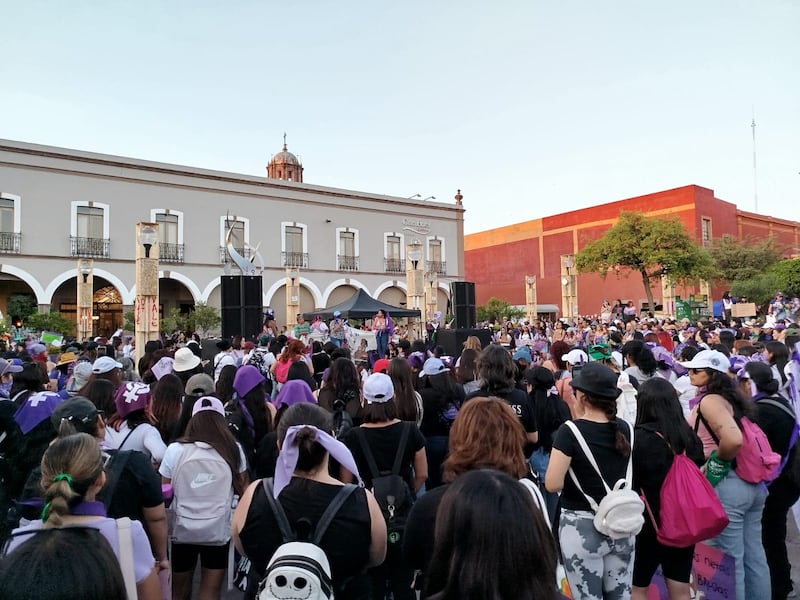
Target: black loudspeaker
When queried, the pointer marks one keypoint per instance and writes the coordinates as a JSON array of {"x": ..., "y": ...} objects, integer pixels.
[
  {"x": 462, "y": 293},
  {"x": 462, "y": 301},
  {"x": 452, "y": 340},
  {"x": 241, "y": 306}
]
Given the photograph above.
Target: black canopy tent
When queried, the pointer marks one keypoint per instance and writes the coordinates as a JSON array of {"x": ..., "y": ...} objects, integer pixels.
[{"x": 362, "y": 306}]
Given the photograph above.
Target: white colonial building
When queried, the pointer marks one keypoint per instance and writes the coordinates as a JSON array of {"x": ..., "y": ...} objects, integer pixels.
[{"x": 58, "y": 206}]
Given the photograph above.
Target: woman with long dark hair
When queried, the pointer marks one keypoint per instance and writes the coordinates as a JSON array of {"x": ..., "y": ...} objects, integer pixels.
[
  {"x": 641, "y": 363},
  {"x": 167, "y": 395},
  {"x": 251, "y": 407},
  {"x": 467, "y": 370},
  {"x": 207, "y": 431},
  {"x": 551, "y": 411},
  {"x": 491, "y": 542},
  {"x": 716, "y": 418},
  {"x": 342, "y": 387},
  {"x": 406, "y": 398},
  {"x": 661, "y": 433},
  {"x": 132, "y": 426},
  {"x": 597, "y": 565},
  {"x": 775, "y": 415},
  {"x": 441, "y": 399},
  {"x": 101, "y": 393},
  {"x": 384, "y": 437},
  {"x": 777, "y": 355}
]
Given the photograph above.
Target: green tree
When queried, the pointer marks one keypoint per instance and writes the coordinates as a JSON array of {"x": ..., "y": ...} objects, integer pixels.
[
  {"x": 129, "y": 321},
  {"x": 52, "y": 321},
  {"x": 758, "y": 289},
  {"x": 650, "y": 246},
  {"x": 175, "y": 321},
  {"x": 496, "y": 309},
  {"x": 20, "y": 306},
  {"x": 204, "y": 317},
  {"x": 742, "y": 260},
  {"x": 787, "y": 276}
]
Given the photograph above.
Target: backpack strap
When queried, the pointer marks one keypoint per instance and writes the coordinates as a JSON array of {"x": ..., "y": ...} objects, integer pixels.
[
  {"x": 115, "y": 469},
  {"x": 590, "y": 457},
  {"x": 777, "y": 404},
  {"x": 333, "y": 508},
  {"x": 398, "y": 458},
  {"x": 370, "y": 458},
  {"x": 280, "y": 515},
  {"x": 126, "y": 556},
  {"x": 125, "y": 439}
]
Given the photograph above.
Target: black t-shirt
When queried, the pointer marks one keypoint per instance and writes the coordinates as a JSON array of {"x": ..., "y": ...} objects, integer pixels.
[
  {"x": 436, "y": 405},
  {"x": 652, "y": 460},
  {"x": 601, "y": 438},
  {"x": 418, "y": 536},
  {"x": 522, "y": 406},
  {"x": 384, "y": 442},
  {"x": 549, "y": 413},
  {"x": 776, "y": 424},
  {"x": 346, "y": 542}
]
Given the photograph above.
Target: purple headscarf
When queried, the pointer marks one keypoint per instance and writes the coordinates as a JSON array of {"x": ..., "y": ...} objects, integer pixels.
[
  {"x": 287, "y": 459},
  {"x": 293, "y": 392}
]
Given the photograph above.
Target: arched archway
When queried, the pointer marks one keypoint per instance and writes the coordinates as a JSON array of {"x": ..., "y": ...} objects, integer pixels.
[
  {"x": 17, "y": 294},
  {"x": 107, "y": 301},
  {"x": 393, "y": 295}
]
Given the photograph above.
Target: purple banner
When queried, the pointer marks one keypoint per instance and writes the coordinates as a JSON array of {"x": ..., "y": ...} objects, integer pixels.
[{"x": 713, "y": 577}]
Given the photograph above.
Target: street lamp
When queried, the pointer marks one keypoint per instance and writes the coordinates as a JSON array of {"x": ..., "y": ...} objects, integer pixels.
[
  {"x": 414, "y": 284},
  {"x": 85, "y": 300},
  {"x": 146, "y": 308},
  {"x": 432, "y": 280}
]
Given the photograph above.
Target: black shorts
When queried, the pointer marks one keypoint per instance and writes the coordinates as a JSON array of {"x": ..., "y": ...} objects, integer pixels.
[
  {"x": 676, "y": 563},
  {"x": 184, "y": 557}
]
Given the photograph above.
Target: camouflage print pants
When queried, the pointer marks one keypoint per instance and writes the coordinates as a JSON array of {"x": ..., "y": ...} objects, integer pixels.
[{"x": 596, "y": 565}]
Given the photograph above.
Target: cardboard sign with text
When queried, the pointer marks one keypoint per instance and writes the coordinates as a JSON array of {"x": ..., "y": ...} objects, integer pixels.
[{"x": 713, "y": 577}]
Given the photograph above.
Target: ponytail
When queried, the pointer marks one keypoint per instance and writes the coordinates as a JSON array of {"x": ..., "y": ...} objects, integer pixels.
[{"x": 621, "y": 443}]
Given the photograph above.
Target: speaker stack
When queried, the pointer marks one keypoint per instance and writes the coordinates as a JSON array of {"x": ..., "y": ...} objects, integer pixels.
[
  {"x": 462, "y": 299},
  {"x": 241, "y": 306}
]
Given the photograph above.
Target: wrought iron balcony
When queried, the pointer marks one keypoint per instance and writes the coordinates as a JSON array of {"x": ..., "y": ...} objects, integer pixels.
[
  {"x": 223, "y": 253},
  {"x": 10, "y": 242},
  {"x": 170, "y": 253},
  {"x": 394, "y": 265},
  {"x": 294, "y": 259},
  {"x": 89, "y": 247},
  {"x": 436, "y": 266},
  {"x": 347, "y": 263}
]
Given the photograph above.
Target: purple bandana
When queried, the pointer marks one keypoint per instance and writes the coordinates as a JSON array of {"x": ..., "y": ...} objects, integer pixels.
[
  {"x": 37, "y": 408},
  {"x": 287, "y": 459}
]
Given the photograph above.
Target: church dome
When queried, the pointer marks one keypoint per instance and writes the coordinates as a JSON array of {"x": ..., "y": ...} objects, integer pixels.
[
  {"x": 284, "y": 157},
  {"x": 285, "y": 165}
]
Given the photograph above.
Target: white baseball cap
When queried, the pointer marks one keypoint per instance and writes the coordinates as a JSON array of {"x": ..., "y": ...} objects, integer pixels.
[
  {"x": 709, "y": 359},
  {"x": 575, "y": 357},
  {"x": 104, "y": 364},
  {"x": 378, "y": 388}
]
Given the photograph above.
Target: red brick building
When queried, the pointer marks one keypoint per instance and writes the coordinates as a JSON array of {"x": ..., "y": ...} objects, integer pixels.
[{"x": 498, "y": 260}]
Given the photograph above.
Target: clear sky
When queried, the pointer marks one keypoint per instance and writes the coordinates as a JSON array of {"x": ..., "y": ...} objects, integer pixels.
[{"x": 531, "y": 107}]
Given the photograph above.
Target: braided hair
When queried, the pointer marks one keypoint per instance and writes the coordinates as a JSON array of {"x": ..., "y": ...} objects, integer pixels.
[
  {"x": 609, "y": 407},
  {"x": 70, "y": 466}
]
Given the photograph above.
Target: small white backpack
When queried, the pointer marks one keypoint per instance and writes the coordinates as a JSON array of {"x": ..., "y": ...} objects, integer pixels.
[{"x": 620, "y": 513}]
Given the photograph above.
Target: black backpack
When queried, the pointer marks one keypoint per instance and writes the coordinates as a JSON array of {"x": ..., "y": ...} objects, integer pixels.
[{"x": 390, "y": 489}]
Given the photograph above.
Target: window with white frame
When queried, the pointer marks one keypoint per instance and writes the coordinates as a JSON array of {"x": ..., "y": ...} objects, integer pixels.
[
  {"x": 10, "y": 235},
  {"x": 436, "y": 262},
  {"x": 347, "y": 249},
  {"x": 294, "y": 244},
  {"x": 238, "y": 228},
  {"x": 393, "y": 253},
  {"x": 89, "y": 229},
  {"x": 170, "y": 234}
]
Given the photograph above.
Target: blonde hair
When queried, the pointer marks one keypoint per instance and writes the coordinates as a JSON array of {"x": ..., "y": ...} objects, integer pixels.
[{"x": 70, "y": 466}]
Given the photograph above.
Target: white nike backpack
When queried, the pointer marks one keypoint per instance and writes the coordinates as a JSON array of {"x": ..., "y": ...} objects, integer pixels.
[{"x": 202, "y": 485}]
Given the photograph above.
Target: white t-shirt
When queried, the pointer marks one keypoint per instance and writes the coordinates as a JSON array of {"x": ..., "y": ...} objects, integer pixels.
[
  {"x": 175, "y": 450},
  {"x": 222, "y": 359},
  {"x": 144, "y": 438}
]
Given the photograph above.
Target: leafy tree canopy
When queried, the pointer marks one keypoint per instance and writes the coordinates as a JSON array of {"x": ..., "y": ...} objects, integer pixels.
[
  {"x": 52, "y": 321},
  {"x": 651, "y": 246},
  {"x": 787, "y": 276},
  {"x": 741, "y": 260},
  {"x": 496, "y": 309}
]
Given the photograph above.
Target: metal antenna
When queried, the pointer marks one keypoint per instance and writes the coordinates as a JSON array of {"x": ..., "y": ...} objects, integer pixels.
[{"x": 755, "y": 169}]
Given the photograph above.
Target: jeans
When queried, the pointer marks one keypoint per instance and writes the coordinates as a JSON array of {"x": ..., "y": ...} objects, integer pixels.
[
  {"x": 539, "y": 461},
  {"x": 744, "y": 504},
  {"x": 336, "y": 341},
  {"x": 382, "y": 341}
]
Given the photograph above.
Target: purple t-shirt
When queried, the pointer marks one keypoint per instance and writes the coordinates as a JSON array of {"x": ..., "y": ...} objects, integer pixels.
[{"x": 143, "y": 561}]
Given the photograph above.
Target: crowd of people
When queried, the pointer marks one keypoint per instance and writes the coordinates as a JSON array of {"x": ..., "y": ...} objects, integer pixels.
[{"x": 476, "y": 476}]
